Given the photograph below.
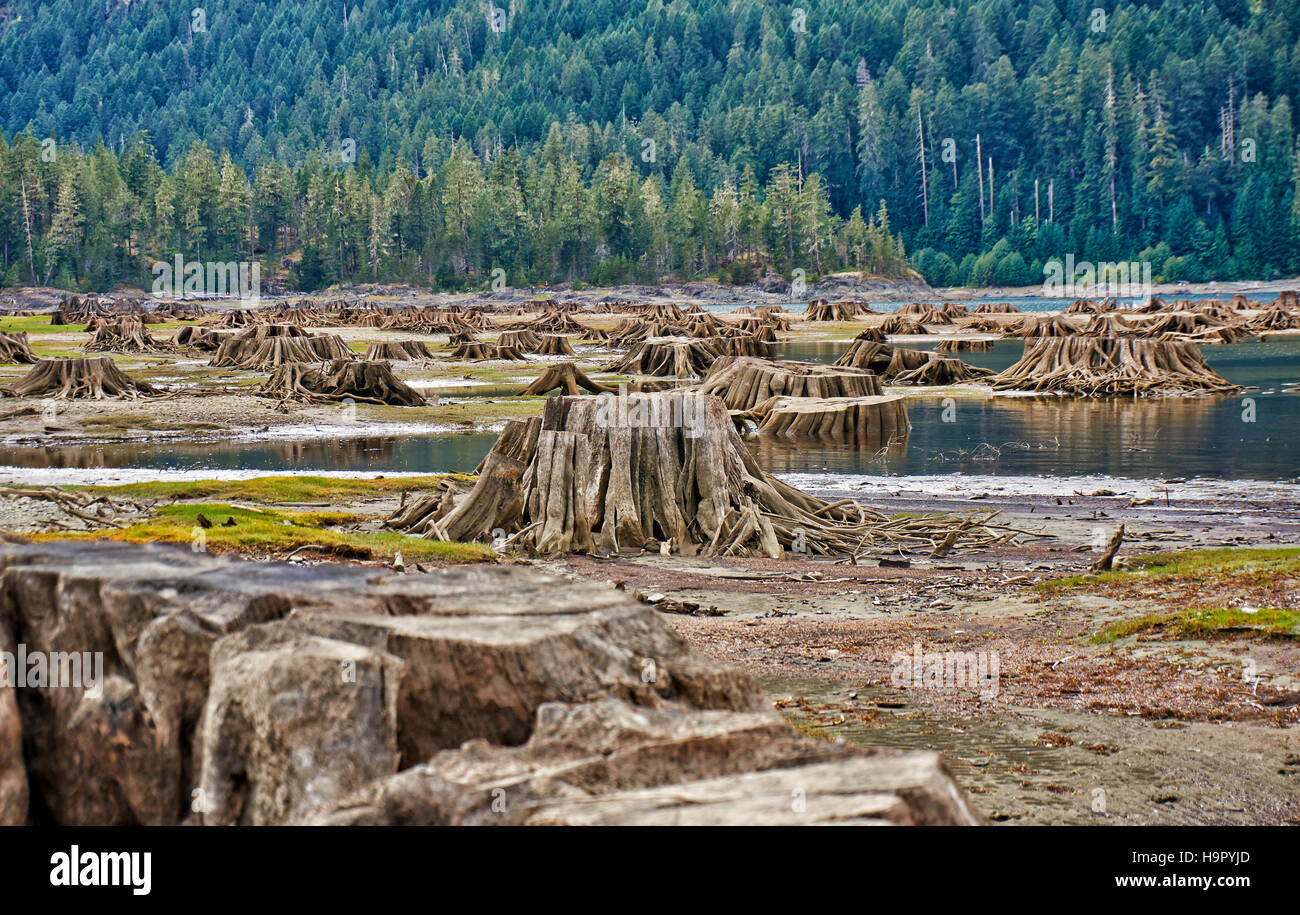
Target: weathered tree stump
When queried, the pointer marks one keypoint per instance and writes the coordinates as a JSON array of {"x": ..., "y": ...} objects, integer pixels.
[
  {"x": 267, "y": 346},
  {"x": 1109, "y": 365},
  {"x": 122, "y": 334},
  {"x": 822, "y": 310},
  {"x": 482, "y": 352},
  {"x": 608, "y": 473},
  {"x": 744, "y": 382},
  {"x": 526, "y": 341},
  {"x": 679, "y": 357},
  {"x": 94, "y": 378},
  {"x": 14, "y": 349},
  {"x": 341, "y": 379},
  {"x": 1040, "y": 326},
  {"x": 554, "y": 345},
  {"x": 898, "y": 324},
  {"x": 995, "y": 308},
  {"x": 204, "y": 339},
  {"x": 867, "y": 422},
  {"x": 964, "y": 346},
  {"x": 399, "y": 351},
  {"x": 568, "y": 378}
]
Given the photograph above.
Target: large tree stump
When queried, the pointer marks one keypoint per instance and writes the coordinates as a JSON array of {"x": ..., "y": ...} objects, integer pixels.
[
  {"x": 963, "y": 345},
  {"x": 568, "y": 378},
  {"x": 267, "y": 346},
  {"x": 122, "y": 334},
  {"x": 1040, "y": 326},
  {"x": 482, "y": 352},
  {"x": 341, "y": 379},
  {"x": 399, "y": 351},
  {"x": 866, "y": 422},
  {"x": 603, "y": 474},
  {"x": 743, "y": 382},
  {"x": 822, "y": 310},
  {"x": 1101, "y": 365},
  {"x": 554, "y": 345},
  {"x": 679, "y": 357},
  {"x": 200, "y": 338},
  {"x": 94, "y": 378},
  {"x": 15, "y": 350},
  {"x": 900, "y": 324},
  {"x": 526, "y": 341},
  {"x": 995, "y": 308}
]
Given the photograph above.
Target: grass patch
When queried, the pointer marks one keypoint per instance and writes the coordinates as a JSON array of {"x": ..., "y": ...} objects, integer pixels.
[
  {"x": 40, "y": 324},
  {"x": 272, "y": 490},
  {"x": 279, "y": 532},
  {"x": 1266, "y": 623},
  {"x": 1239, "y": 563}
]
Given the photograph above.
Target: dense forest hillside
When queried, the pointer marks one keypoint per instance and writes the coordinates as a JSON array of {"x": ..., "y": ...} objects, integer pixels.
[{"x": 438, "y": 140}]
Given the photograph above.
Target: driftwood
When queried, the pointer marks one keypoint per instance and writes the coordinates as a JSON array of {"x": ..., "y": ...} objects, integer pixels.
[
  {"x": 568, "y": 378},
  {"x": 399, "y": 351},
  {"x": 93, "y": 378},
  {"x": 1107, "y": 559},
  {"x": 679, "y": 357},
  {"x": 868, "y": 422},
  {"x": 14, "y": 349},
  {"x": 743, "y": 383},
  {"x": 267, "y": 346},
  {"x": 655, "y": 471},
  {"x": 1102, "y": 365},
  {"x": 341, "y": 379}
]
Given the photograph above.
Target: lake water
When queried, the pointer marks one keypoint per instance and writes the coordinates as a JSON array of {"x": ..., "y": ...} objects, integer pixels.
[{"x": 1149, "y": 438}]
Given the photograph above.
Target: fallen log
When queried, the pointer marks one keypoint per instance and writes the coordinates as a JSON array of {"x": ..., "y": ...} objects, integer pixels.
[{"x": 93, "y": 378}]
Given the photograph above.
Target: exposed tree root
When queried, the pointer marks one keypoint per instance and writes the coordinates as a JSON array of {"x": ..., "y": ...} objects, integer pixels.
[
  {"x": 585, "y": 480},
  {"x": 568, "y": 378},
  {"x": 267, "y": 346},
  {"x": 122, "y": 334},
  {"x": 342, "y": 379},
  {"x": 93, "y": 378},
  {"x": 399, "y": 351},
  {"x": 14, "y": 350},
  {"x": 1110, "y": 365}
]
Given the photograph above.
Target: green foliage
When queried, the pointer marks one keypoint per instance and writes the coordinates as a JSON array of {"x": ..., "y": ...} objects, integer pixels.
[{"x": 394, "y": 140}]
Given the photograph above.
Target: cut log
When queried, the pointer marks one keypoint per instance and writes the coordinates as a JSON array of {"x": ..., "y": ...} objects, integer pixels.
[
  {"x": 678, "y": 357},
  {"x": 341, "y": 379},
  {"x": 1109, "y": 365},
  {"x": 568, "y": 378},
  {"x": 94, "y": 378},
  {"x": 14, "y": 350},
  {"x": 399, "y": 351},
  {"x": 743, "y": 383}
]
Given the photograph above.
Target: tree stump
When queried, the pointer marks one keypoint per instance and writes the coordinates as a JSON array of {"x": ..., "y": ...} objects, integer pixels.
[
  {"x": 1040, "y": 326},
  {"x": 526, "y": 341},
  {"x": 341, "y": 379},
  {"x": 995, "y": 308},
  {"x": 481, "y": 352},
  {"x": 201, "y": 338},
  {"x": 898, "y": 324},
  {"x": 94, "y": 378},
  {"x": 554, "y": 345},
  {"x": 121, "y": 334},
  {"x": 603, "y": 474},
  {"x": 821, "y": 310},
  {"x": 1088, "y": 366},
  {"x": 568, "y": 378},
  {"x": 866, "y": 422},
  {"x": 744, "y": 382},
  {"x": 964, "y": 346},
  {"x": 399, "y": 351},
  {"x": 14, "y": 350},
  {"x": 267, "y": 346},
  {"x": 678, "y": 357}
]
